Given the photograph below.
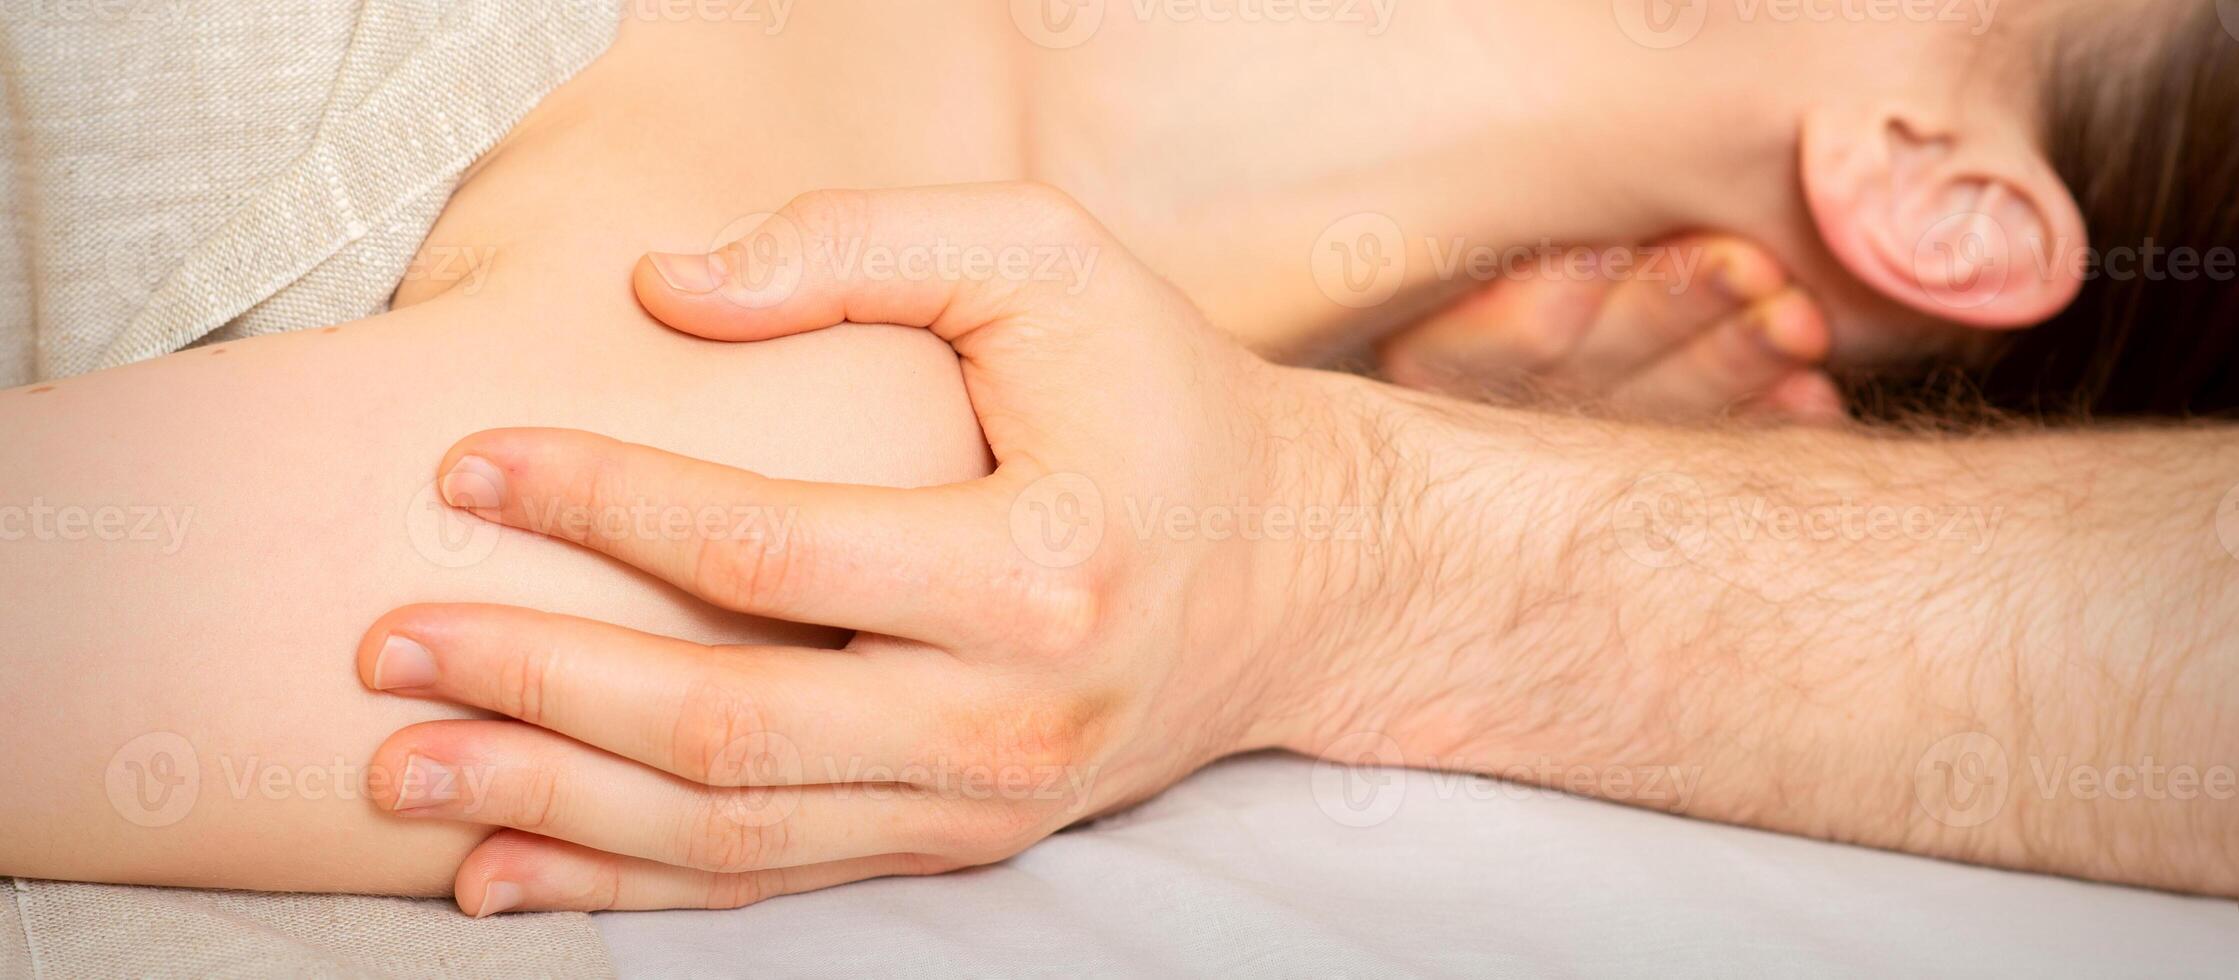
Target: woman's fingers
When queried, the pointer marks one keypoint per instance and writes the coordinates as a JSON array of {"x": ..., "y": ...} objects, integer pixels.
[
  {"x": 1495, "y": 340},
  {"x": 901, "y": 563},
  {"x": 1738, "y": 359},
  {"x": 513, "y": 871},
  {"x": 764, "y": 716},
  {"x": 507, "y": 774},
  {"x": 1659, "y": 306},
  {"x": 1693, "y": 327},
  {"x": 1810, "y": 397}
]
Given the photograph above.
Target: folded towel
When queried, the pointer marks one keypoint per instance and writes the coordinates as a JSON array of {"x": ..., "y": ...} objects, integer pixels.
[
  {"x": 68, "y": 929},
  {"x": 190, "y": 170}
]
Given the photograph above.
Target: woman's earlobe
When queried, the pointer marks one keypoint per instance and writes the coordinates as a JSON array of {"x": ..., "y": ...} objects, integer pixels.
[{"x": 1966, "y": 229}]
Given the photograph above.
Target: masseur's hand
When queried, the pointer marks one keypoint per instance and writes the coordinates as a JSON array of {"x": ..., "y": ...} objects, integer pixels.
[{"x": 1106, "y": 612}]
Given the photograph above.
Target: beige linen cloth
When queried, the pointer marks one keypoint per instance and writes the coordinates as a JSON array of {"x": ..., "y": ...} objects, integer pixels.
[{"x": 189, "y": 170}]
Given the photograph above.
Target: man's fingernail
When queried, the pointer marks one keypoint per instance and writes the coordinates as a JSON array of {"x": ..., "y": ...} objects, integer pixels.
[
  {"x": 474, "y": 483},
  {"x": 426, "y": 783},
  {"x": 692, "y": 273},
  {"x": 499, "y": 896},
  {"x": 402, "y": 663}
]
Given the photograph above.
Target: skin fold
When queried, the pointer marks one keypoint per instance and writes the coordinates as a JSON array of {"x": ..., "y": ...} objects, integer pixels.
[{"x": 300, "y": 465}]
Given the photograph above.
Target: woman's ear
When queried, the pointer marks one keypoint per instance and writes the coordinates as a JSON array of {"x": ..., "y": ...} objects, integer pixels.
[{"x": 1969, "y": 228}]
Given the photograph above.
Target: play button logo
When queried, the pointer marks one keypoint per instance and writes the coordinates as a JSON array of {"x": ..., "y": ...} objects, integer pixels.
[{"x": 1663, "y": 24}]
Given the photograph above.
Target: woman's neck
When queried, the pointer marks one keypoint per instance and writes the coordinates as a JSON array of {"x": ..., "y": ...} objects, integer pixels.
[
  {"x": 1246, "y": 161},
  {"x": 1251, "y": 162}
]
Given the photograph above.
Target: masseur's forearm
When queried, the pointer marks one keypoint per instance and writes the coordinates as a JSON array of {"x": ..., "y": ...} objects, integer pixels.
[
  {"x": 2017, "y": 650},
  {"x": 194, "y": 546}
]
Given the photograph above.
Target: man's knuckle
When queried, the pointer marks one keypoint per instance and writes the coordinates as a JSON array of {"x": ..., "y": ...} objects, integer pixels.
[
  {"x": 1058, "y": 732},
  {"x": 1009, "y": 739},
  {"x": 605, "y": 891},
  {"x": 750, "y": 574},
  {"x": 921, "y": 865},
  {"x": 954, "y": 832},
  {"x": 1045, "y": 197},
  {"x": 524, "y": 684},
  {"x": 535, "y": 806},
  {"x": 719, "y": 840},
  {"x": 1056, "y": 213},
  {"x": 829, "y": 216},
  {"x": 721, "y": 733},
  {"x": 1057, "y": 612},
  {"x": 994, "y": 833},
  {"x": 733, "y": 891},
  {"x": 592, "y": 492}
]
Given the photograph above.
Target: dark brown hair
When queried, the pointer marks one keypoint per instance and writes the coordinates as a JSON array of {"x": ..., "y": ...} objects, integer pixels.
[{"x": 2141, "y": 117}]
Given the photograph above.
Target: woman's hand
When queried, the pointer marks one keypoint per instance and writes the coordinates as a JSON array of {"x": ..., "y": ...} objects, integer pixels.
[
  {"x": 1696, "y": 327},
  {"x": 1108, "y": 611}
]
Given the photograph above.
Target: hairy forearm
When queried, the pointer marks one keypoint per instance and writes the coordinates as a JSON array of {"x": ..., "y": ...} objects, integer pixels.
[{"x": 2011, "y": 649}]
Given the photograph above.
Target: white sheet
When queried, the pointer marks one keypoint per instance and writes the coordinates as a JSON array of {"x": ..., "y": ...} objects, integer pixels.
[{"x": 1241, "y": 870}]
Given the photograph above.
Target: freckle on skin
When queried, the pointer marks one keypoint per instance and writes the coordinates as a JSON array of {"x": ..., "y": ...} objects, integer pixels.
[
  {"x": 42, "y": 389},
  {"x": 332, "y": 330},
  {"x": 215, "y": 351}
]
